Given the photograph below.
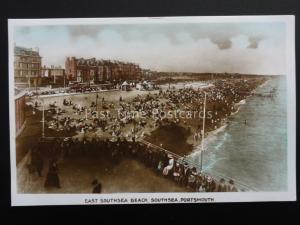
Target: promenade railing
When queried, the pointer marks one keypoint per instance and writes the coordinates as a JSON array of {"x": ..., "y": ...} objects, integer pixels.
[
  {"x": 184, "y": 160},
  {"x": 181, "y": 160}
]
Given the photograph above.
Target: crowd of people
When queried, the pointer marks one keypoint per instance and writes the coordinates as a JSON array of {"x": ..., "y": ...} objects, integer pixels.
[
  {"x": 122, "y": 130},
  {"x": 162, "y": 162},
  {"x": 119, "y": 119},
  {"x": 70, "y": 90},
  {"x": 75, "y": 117}
]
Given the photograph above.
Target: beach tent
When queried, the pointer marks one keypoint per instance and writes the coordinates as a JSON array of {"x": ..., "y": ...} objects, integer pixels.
[
  {"x": 125, "y": 86},
  {"x": 139, "y": 86}
]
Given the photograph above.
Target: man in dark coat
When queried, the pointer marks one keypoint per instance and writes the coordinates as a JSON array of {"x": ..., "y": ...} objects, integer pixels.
[
  {"x": 97, "y": 186},
  {"x": 39, "y": 163},
  {"x": 231, "y": 187},
  {"x": 210, "y": 184},
  {"x": 222, "y": 186},
  {"x": 52, "y": 179}
]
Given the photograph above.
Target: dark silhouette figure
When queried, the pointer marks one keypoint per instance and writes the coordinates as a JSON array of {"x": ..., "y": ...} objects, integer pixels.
[
  {"x": 52, "y": 179},
  {"x": 39, "y": 163},
  {"x": 97, "y": 186}
]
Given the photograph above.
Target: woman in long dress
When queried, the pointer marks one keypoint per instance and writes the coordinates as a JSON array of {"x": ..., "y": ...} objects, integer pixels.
[
  {"x": 52, "y": 179},
  {"x": 169, "y": 167}
]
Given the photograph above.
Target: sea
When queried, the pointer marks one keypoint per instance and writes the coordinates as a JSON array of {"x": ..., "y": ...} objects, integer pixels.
[{"x": 251, "y": 148}]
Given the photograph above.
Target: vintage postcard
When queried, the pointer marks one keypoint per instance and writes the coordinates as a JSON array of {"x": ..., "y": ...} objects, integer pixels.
[{"x": 152, "y": 110}]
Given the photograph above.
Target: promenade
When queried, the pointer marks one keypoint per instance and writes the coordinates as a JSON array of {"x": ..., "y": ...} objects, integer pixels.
[{"x": 74, "y": 116}]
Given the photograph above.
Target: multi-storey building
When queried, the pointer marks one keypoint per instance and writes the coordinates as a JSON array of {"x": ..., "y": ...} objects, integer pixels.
[
  {"x": 19, "y": 111},
  {"x": 27, "y": 65},
  {"x": 55, "y": 74},
  {"x": 100, "y": 71}
]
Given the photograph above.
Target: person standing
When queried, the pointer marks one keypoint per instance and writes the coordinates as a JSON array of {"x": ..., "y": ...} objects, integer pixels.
[
  {"x": 39, "y": 163},
  {"x": 222, "y": 186},
  {"x": 52, "y": 179},
  {"x": 29, "y": 161},
  {"x": 192, "y": 179},
  {"x": 210, "y": 184},
  {"x": 160, "y": 166},
  {"x": 232, "y": 187},
  {"x": 97, "y": 187},
  {"x": 169, "y": 167}
]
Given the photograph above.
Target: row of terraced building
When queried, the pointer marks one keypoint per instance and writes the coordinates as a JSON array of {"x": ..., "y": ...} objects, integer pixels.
[
  {"x": 28, "y": 69},
  {"x": 100, "y": 71}
]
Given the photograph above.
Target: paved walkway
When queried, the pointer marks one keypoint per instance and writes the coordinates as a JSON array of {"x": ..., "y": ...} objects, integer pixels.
[{"x": 76, "y": 175}]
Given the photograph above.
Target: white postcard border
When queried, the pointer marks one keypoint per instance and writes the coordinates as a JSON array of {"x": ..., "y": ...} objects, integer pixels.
[{"x": 18, "y": 199}]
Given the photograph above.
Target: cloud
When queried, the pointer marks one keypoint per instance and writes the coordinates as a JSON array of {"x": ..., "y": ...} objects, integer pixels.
[
  {"x": 254, "y": 41},
  {"x": 24, "y": 30},
  {"x": 223, "y": 43},
  {"x": 165, "y": 47},
  {"x": 76, "y": 31},
  {"x": 216, "y": 34}
]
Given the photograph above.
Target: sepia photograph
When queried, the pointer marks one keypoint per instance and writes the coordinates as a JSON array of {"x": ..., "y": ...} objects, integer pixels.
[{"x": 152, "y": 110}]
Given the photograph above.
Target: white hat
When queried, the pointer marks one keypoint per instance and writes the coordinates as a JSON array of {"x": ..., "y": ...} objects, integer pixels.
[{"x": 170, "y": 156}]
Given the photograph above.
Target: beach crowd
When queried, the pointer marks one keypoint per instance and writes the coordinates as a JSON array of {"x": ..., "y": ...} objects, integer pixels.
[
  {"x": 144, "y": 113},
  {"x": 116, "y": 129},
  {"x": 162, "y": 162}
]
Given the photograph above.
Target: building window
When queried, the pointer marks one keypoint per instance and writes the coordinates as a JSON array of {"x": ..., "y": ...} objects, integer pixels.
[{"x": 79, "y": 79}]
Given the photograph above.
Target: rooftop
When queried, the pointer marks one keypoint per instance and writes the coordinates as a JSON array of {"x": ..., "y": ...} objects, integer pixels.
[
  {"x": 95, "y": 62},
  {"x": 26, "y": 51}
]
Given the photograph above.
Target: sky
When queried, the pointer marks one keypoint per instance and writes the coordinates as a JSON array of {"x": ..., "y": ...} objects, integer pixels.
[{"x": 251, "y": 48}]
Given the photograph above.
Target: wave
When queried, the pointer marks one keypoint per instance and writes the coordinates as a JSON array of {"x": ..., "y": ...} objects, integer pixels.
[
  {"x": 242, "y": 102},
  {"x": 233, "y": 113},
  {"x": 264, "y": 84},
  {"x": 260, "y": 86},
  {"x": 237, "y": 105},
  {"x": 211, "y": 137}
]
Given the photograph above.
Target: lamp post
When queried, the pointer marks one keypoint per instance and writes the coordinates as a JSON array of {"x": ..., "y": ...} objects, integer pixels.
[
  {"x": 97, "y": 101},
  {"x": 36, "y": 92},
  {"x": 64, "y": 80},
  {"x": 134, "y": 127},
  {"x": 28, "y": 79},
  {"x": 36, "y": 80},
  {"x": 43, "y": 120},
  {"x": 203, "y": 128}
]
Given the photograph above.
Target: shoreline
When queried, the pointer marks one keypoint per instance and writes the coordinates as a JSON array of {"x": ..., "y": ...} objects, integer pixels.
[
  {"x": 221, "y": 128},
  {"x": 190, "y": 124},
  {"x": 224, "y": 120},
  {"x": 220, "y": 105}
]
